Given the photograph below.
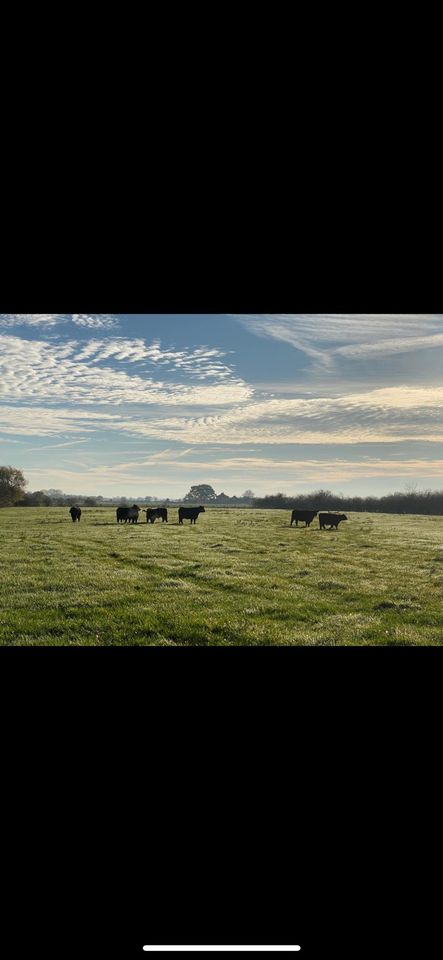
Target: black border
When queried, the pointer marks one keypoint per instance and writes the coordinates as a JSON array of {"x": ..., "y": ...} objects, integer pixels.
[{"x": 269, "y": 788}]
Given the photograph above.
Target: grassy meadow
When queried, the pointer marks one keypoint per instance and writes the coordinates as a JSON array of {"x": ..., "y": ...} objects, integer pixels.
[{"x": 238, "y": 577}]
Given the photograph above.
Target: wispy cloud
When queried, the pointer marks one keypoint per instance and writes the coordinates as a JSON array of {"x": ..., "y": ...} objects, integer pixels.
[
  {"x": 325, "y": 336},
  {"x": 55, "y": 446},
  {"x": 37, "y": 421},
  {"x": 264, "y": 475},
  {"x": 384, "y": 415},
  {"x": 392, "y": 414},
  {"x": 385, "y": 348}
]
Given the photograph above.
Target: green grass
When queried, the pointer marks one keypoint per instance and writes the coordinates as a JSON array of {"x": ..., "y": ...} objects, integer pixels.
[{"x": 236, "y": 577}]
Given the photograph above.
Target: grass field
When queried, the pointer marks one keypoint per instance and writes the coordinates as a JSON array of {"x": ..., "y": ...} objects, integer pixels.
[{"x": 236, "y": 577}]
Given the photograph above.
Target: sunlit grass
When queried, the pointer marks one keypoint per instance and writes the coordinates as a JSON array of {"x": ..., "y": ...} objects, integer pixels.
[{"x": 236, "y": 577}]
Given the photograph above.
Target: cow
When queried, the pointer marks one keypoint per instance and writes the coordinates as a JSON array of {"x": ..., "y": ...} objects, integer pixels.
[
  {"x": 75, "y": 514},
  {"x": 128, "y": 514},
  {"x": 153, "y": 512},
  {"x": 330, "y": 519},
  {"x": 189, "y": 513},
  {"x": 306, "y": 515}
]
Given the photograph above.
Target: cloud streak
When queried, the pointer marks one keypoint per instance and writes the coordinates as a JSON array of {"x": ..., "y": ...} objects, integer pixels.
[{"x": 322, "y": 337}]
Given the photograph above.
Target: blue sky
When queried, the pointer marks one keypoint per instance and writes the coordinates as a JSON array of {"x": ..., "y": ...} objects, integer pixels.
[{"x": 137, "y": 405}]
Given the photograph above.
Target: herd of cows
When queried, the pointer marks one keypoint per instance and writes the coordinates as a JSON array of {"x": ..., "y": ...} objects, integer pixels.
[
  {"x": 131, "y": 515},
  {"x": 325, "y": 519}
]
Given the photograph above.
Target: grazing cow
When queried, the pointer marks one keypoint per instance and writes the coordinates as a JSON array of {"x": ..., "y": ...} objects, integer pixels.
[
  {"x": 128, "y": 514},
  {"x": 153, "y": 512},
  {"x": 330, "y": 519},
  {"x": 75, "y": 514},
  {"x": 189, "y": 513},
  {"x": 306, "y": 515}
]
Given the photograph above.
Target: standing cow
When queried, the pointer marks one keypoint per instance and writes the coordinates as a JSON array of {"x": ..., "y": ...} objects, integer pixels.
[
  {"x": 75, "y": 514},
  {"x": 330, "y": 519},
  {"x": 153, "y": 512},
  {"x": 128, "y": 514},
  {"x": 306, "y": 515},
  {"x": 189, "y": 513}
]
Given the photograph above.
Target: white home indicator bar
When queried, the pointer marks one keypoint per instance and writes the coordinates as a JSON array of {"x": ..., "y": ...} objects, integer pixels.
[{"x": 241, "y": 949}]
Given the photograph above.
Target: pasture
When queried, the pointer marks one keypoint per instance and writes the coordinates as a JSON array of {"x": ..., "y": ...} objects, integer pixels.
[{"x": 238, "y": 577}]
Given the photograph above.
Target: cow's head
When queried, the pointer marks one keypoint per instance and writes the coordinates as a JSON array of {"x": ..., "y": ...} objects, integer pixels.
[
  {"x": 202, "y": 510},
  {"x": 343, "y": 516}
]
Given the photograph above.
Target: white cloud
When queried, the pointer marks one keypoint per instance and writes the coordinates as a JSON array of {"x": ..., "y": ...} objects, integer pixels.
[
  {"x": 98, "y": 320},
  {"x": 201, "y": 363},
  {"x": 390, "y": 414},
  {"x": 350, "y": 335},
  {"x": 46, "y": 422},
  {"x": 31, "y": 319},
  {"x": 39, "y": 370},
  {"x": 386, "y": 348}
]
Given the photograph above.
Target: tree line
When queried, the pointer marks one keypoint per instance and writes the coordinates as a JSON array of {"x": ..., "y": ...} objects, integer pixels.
[{"x": 411, "y": 500}]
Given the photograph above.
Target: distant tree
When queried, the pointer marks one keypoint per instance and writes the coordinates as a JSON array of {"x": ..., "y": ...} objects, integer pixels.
[
  {"x": 36, "y": 499},
  {"x": 248, "y": 495},
  {"x": 90, "y": 502},
  {"x": 200, "y": 493},
  {"x": 222, "y": 498},
  {"x": 12, "y": 486},
  {"x": 40, "y": 499}
]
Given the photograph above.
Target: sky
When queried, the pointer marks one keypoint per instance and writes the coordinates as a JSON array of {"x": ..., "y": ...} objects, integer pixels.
[{"x": 148, "y": 405}]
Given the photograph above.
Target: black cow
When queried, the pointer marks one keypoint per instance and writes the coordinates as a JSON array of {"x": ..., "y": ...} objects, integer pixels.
[
  {"x": 306, "y": 515},
  {"x": 189, "y": 513},
  {"x": 153, "y": 512},
  {"x": 75, "y": 514},
  {"x": 128, "y": 514},
  {"x": 330, "y": 519}
]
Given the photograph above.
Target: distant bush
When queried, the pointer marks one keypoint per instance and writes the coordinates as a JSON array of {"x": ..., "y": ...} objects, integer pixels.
[{"x": 417, "y": 501}]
